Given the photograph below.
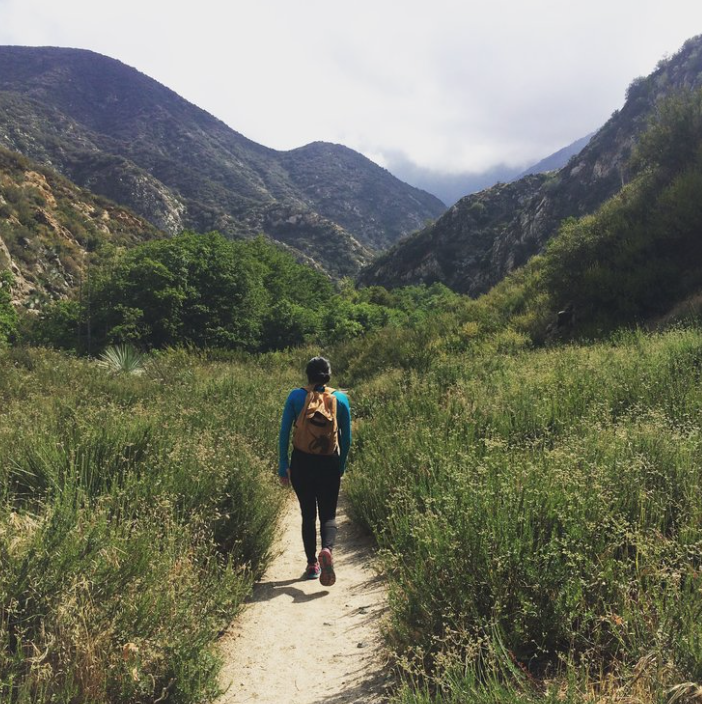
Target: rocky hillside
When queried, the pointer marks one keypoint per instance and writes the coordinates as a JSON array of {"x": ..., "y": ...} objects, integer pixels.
[
  {"x": 48, "y": 226},
  {"x": 362, "y": 197},
  {"x": 488, "y": 234},
  {"x": 121, "y": 134}
]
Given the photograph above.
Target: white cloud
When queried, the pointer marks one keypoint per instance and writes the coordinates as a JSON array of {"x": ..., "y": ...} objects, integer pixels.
[{"x": 457, "y": 85}]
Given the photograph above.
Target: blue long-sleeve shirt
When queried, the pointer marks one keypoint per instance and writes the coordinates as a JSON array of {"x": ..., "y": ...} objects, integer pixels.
[{"x": 293, "y": 407}]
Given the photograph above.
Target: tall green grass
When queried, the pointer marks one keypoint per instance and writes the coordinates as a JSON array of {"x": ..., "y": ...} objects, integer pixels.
[
  {"x": 135, "y": 513},
  {"x": 538, "y": 514},
  {"x": 540, "y": 518}
]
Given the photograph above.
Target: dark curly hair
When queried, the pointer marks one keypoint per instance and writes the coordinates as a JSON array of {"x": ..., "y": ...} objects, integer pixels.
[{"x": 318, "y": 370}]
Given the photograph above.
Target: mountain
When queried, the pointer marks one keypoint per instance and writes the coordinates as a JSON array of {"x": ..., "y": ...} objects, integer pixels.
[
  {"x": 558, "y": 159},
  {"x": 121, "y": 134},
  {"x": 486, "y": 235},
  {"x": 48, "y": 226}
]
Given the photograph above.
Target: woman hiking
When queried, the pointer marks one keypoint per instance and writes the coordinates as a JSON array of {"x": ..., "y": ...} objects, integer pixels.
[{"x": 321, "y": 441}]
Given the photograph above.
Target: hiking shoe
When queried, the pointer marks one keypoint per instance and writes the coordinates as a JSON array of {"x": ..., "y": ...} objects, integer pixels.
[
  {"x": 326, "y": 562},
  {"x": 313, "y": 571}
]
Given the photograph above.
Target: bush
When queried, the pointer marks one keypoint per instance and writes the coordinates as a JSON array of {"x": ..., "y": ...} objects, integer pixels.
[{"x": 8, "y": 314}]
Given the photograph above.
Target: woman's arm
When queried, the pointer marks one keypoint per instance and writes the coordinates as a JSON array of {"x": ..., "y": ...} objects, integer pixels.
[
  {"x": 343, "y": 412},
  {"x": 286, "y": 422}
]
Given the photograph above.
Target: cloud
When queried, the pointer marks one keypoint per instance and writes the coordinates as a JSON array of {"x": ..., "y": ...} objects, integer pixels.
[{"x": 455, "y": 86}]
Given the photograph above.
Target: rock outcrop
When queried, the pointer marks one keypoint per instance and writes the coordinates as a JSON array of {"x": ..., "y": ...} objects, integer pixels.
[{"x": 49, "y": 227}]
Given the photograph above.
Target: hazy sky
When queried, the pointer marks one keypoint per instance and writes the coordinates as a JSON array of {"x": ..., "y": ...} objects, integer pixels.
[{"x": 449, "y": 85}]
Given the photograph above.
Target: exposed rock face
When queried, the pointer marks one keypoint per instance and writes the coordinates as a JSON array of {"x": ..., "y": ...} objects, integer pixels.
[
  {"x": 486, "y": 235},
  {"x": 117, "y": 132},
  {"x": 461, "y": 246},
  {"x": 48, "y": 226}
]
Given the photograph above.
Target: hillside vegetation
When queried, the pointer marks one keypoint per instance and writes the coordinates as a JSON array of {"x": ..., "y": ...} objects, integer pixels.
[
  {"x": 633, "y": 261},
  {"x": 538, "y": 517},
  {"x": 49, "y": 226},
  {"x": 208, "y": 292},
  {"x": 537, "y": 513}
]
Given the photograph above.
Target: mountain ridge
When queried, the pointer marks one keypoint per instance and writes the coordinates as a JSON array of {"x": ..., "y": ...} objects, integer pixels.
[
  {"x": 450, "y": 188},
  {"x": 481, "y": 239},
  {"x": 558, "y": 159},
  {"x": 113, "y": 129}
]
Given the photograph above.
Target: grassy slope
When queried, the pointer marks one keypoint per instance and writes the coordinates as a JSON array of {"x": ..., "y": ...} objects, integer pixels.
[
  {"x": 133, "y": 510},
  {"x": 539, "y": 517},
  {"x": 538, "y": 512}
]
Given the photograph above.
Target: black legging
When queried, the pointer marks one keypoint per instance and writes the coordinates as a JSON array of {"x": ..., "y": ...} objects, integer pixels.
[{"x": 316, "y": 481}]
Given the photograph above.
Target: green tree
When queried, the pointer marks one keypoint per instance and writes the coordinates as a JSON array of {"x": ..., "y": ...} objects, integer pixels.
[
  {"x": 57, "y": 325},
  {"x": 673, "y": 141},
  {"x": 192, "y": 289},
  {"x": 296, "y": 296}
]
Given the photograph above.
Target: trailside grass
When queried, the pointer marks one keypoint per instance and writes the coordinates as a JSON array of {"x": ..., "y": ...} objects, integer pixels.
[
  {"x": 135, "y": 513},
  {"x": 539, "y": 517},
  {"x": 538, "y": 514}
]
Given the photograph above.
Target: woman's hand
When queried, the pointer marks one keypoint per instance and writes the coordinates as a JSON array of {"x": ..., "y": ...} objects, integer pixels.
[{"x": 285, "y": 481}]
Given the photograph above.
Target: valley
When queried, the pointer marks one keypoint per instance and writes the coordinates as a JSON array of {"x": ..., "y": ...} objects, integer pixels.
[{"x": 521, "y": 517}]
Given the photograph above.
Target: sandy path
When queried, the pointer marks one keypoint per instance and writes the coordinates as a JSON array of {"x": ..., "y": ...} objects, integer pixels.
[{"x": 300, "y": 643}]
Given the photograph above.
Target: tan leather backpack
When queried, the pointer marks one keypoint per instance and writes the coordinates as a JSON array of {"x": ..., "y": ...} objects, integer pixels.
[{"x": 316, "y": 428}]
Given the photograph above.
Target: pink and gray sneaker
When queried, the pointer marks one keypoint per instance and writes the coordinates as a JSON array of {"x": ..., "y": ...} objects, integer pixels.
[
  {"x": 326, "y": 562},
  {"x": 313, "y": 571}
]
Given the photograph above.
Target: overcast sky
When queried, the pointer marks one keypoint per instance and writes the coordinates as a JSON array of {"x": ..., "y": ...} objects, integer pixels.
[{"x": 448, "y": 85}]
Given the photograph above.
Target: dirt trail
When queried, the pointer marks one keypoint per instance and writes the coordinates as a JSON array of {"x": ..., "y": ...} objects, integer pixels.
[{"x": 298, "y": 642}]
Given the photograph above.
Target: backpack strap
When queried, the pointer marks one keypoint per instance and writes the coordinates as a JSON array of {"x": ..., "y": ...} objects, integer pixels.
[
  {"x": 313, "y": 387},
  {"x": 306, "y": 404}
]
